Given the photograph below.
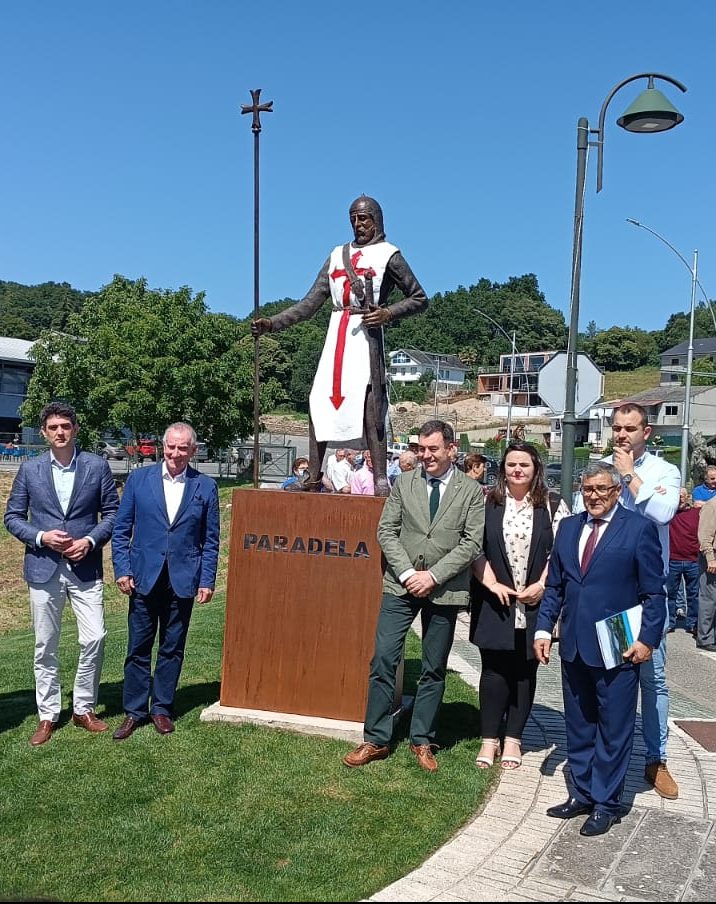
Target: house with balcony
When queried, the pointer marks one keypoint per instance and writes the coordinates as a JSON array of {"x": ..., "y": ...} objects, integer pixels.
[
  {"x": 674, "y": 359},
  {"x": 526, "y": 401},
  {"x": 16, "y": 368},
  {"x": 407, "y": 365}
]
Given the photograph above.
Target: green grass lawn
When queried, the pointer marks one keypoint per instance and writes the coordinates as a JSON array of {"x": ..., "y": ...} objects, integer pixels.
[{"x": 214, "y": 812}]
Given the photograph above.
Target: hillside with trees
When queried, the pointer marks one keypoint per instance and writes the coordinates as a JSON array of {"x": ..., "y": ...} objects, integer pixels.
[
  {"x": 25, "y": 311},
  {"x": 452, "y": 324}
]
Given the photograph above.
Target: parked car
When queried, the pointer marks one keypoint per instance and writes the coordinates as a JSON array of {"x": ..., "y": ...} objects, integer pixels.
[
  {"x": 492, "y": 469},
  {"x": 202, "y": 452},
  {"x": 397, "y": 448},
  {"x": 145, "y": 448},
  {"x": 553, "y": 474},
  {"x": 109, "y": 449}
]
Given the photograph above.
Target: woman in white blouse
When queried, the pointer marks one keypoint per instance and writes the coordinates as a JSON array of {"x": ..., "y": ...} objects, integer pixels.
[{"x": 521, "y": 517}]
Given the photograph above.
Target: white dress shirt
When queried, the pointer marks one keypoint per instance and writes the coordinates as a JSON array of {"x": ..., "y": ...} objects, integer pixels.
[{"x": 173, "y": 491}]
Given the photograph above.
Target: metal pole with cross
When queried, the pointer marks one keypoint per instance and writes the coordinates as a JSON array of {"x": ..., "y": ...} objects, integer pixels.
[{"x": 256, "y": 109}]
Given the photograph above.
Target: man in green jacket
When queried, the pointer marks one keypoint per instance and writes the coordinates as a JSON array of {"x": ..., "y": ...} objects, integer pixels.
[{"x": 430, "y": 532}]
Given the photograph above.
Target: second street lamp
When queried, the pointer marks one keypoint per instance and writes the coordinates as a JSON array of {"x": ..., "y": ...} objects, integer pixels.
[
  {"x": 650, "y": 112},
  {"x": 690, "y": 353}
]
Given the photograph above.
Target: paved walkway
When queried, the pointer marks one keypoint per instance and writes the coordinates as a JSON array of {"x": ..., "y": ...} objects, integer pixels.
[{"x": 661, "y": 851}]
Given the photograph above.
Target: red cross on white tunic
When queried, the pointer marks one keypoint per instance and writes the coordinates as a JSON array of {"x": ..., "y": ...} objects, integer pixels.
[{"x": 336, "y": 397}]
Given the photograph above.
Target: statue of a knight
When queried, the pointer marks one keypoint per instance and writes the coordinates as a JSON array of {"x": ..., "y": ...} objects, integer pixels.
[{"x": 349, "y": 397}]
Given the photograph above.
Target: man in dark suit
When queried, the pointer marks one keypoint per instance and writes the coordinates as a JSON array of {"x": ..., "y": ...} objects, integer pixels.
[
  {"x": 604, "y": 561},
  {"x": 62, "y": 507},
  {"x": 165, "y": 551},
  {"x": 430, "y": 531}
]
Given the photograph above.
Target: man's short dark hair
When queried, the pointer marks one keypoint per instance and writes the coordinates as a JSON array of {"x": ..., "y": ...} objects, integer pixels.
[
  {"x": 58, "y": 409},
  {"x": 430, "y": 427},
  {"x": 629, "y": 408}
]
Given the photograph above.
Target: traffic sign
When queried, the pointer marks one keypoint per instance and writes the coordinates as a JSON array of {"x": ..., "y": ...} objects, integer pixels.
[{"x": 552, "y": 383}]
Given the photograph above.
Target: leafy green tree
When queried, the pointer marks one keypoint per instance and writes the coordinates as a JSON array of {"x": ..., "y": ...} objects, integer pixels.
[
  {"x": 678, "y": 326},
  {"x": 25, "y": 311},
  {"x": 142, "y": 358},
  {"x": 623, "y": 348},
  {"x": 701, "y": 367}
]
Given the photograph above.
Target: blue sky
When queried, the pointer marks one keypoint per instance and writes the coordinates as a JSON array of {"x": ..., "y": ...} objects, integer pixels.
[{"x": 123, "y": 149}]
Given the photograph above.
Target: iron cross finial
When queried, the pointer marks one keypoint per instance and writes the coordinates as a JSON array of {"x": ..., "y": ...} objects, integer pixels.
[{"x": 256, "y": 108}]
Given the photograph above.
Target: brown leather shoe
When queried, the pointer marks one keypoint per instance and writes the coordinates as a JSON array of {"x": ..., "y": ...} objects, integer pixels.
[
  {"x": 163, "y": 724},
  {"x": 365, "y": 753},
  {"x": 126, "y": 728},
  {"x": 659, "y": 776},
  {"x": 425, "y": 756},
  {"x": 43, "y": 733},
  {"x": 89, "y": 722}
]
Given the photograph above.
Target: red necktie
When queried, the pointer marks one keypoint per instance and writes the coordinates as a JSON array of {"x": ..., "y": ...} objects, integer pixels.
[{"x": 591, "y": 543}]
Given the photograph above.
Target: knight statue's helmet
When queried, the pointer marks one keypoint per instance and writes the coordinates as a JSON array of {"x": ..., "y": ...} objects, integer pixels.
[{"x": 372, "y": 207}]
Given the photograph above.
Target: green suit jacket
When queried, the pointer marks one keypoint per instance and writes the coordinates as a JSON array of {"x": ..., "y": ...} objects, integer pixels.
[{"x": 446, "y": 547}]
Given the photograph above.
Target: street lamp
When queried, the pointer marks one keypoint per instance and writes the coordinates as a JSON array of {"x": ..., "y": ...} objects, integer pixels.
[
  {"x": 650, "y": 112},
  {"x": 512, "y": 367},
  {"x": 690, "y": 353}
]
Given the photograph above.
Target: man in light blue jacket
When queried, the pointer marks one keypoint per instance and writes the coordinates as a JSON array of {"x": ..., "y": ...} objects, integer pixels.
[{"x": 62, "y": 507}]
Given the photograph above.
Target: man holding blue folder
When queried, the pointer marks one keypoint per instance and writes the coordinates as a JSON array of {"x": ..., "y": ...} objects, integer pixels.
[{"x": 604, "y": 561}]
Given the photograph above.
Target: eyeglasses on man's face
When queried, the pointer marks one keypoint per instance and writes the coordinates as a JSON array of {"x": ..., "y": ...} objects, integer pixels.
[{"x": 601, "y": 490}]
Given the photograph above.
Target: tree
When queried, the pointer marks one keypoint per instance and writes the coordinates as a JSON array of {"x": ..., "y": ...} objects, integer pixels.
[
  {"x": 701, "y": 368},
  {"x": 25, "y": 311},
  {"x": 142, "y": 358},
  {"x": 623, "y": 348}
]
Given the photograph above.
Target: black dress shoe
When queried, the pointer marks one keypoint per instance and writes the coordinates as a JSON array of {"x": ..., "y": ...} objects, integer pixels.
[
  {"x": 570, "y": 809},
  {"x": 599, "y": 823}
]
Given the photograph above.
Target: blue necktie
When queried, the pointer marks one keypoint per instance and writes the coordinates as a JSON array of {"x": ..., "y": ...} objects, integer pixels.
[{"x": 434, "y": 500}]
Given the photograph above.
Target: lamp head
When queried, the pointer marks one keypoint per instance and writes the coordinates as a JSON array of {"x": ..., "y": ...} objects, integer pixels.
[{"x": 650, "y": 112}]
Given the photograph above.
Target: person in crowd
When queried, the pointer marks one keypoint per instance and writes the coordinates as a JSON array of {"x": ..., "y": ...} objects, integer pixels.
[
  {"x": 705, "y": 491},
  {"x": 520, "y": 521},
  {"x": 603, "y": 562},
  {"x": 62, "y": 506},
  {"x": 300, "y": 466},
  {"x": 684, "y": 562},
  {"x": 475, "y": 468},
  {"x": 650, "y": 487},
  {"x": 165, "y": 551},
  {"x": 706, "y": 628},
  {"x": 339, "y": 472},
  {"x": 349, "y": 397},
  {"x": 430, "y": 531},
  {"x": 404, "y": 461},
  {"x": 362, "y": 480}
]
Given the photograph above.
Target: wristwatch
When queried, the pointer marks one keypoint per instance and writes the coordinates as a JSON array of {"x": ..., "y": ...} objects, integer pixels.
[{"x": 627, "y": 478}]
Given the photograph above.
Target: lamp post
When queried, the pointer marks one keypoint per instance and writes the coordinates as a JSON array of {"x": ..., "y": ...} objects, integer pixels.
[
  {"x": 512, "y": 367},
  {"x": 690, "y": 353},
  {"x": 650, "y": 112}
]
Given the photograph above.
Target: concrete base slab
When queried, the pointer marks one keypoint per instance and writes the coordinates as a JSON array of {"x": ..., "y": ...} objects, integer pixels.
[{"x": 331, "y": 728}]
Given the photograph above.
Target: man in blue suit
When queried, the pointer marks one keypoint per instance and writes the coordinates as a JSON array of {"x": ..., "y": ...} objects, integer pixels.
[
  {"x": 165, "y": 551},
  {"x": 604, "y": 561},
  {"x": 62, "y": 507}
]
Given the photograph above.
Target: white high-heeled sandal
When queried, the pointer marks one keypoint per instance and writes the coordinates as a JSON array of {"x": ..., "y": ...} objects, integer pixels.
[{"x": 486, "y": 762}]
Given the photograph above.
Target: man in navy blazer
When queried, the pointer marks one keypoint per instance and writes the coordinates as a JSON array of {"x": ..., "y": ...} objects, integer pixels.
[
  {"x": 604, "y": 561},
  {"x": 165, "y": 551},
  {"x": 62, "y": 507}
]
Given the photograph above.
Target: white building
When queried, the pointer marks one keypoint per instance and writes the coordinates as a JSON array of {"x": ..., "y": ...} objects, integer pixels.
[{"x": 407, "y": 365}]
